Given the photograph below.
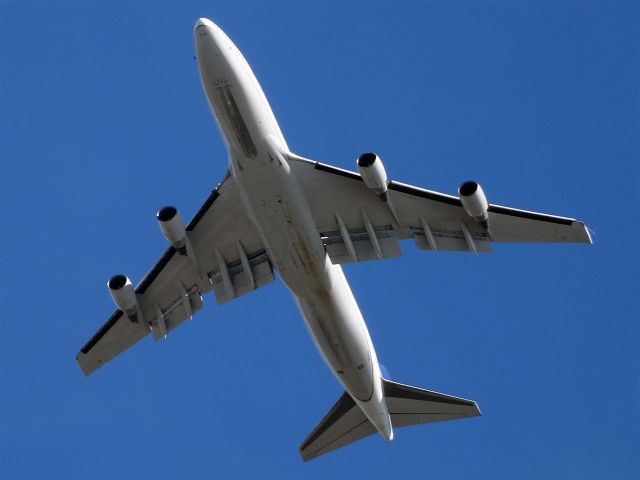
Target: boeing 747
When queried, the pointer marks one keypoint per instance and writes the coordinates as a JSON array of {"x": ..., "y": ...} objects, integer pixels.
[{"x": 275, "y": 210}]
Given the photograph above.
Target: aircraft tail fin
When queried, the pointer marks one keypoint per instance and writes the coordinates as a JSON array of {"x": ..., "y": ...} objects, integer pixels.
[{"x": 346, "y": 423}]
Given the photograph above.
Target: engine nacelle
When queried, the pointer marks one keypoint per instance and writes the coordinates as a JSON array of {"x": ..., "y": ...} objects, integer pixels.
[
  {"x": 474, "y": 201},
  {"x": 123, "y": 294},
  {"x": 172, "y": 228},
  {"x": 373, "y": 173}
]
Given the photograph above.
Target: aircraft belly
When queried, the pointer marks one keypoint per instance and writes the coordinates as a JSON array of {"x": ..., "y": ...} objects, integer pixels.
[
  {"x": 275, "y": 203},
  {"x": 277, "y": 207},
  {"x": 341, "y": 337},
  {"x": 281, "y": 214}
]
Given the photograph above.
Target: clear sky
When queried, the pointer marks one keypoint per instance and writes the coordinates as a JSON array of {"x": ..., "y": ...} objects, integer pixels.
[{"x": 104, "y": 121}]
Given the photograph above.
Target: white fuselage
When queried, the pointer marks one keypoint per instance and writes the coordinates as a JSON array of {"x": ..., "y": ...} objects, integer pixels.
[{"x": 258, "y": 156}]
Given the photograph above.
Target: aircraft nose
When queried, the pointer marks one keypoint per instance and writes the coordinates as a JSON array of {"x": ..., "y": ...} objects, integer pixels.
[
  {"x": 207, "y": 38},
  {"x": 203, "y": 22},
  {"x": 208, "y": 33}
]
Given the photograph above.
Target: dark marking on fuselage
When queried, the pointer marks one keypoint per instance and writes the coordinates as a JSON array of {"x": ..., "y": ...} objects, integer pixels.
[{"x": 232, "y": 117}]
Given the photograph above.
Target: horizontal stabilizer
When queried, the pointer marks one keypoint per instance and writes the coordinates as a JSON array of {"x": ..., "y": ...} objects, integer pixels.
[
  {"x": 409, "y": 405},
  {"x": 345, "y": 423}
]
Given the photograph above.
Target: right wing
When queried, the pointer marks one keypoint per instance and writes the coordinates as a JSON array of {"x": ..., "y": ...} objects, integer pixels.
[
  {"x": 356, "y": 224},
  {"x": 227, "y": 257}
]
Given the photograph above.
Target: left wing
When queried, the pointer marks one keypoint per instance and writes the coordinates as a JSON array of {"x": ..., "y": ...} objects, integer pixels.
[
  {"x": 225, "y": 255},
  {"x": 356, "y": 224}
]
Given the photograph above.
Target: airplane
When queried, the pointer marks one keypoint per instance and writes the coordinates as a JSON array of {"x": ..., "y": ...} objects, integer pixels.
[{"x": 277, "y": 211}]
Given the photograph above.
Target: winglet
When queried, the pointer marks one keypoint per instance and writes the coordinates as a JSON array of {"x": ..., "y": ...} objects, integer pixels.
[{"x": 593, "y": 236}]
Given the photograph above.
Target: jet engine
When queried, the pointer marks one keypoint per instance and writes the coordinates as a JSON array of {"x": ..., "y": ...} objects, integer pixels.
[
  {"x": 474, "y": 201},
  {"x": 172, "y": 228},
  {"x": 372, "y": 172},
  {"x": 123, "y": 294}
]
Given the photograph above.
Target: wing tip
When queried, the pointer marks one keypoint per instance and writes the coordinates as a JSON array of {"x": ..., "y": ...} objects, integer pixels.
[
  {"x": 87, "y": 367},
  {"x": 306, "y": 456}
]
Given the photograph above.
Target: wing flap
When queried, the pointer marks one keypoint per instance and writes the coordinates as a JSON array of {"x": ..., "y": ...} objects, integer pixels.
[
  {"x": 451, "y": 241},
  {"x": 362, "y": 247},
  {"x": 242, "y": 277},
  {"x": 186, "y": 302}
]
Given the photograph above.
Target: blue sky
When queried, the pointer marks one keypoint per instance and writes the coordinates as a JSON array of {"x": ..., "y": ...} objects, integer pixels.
[{"x": 103, "y": 121}]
